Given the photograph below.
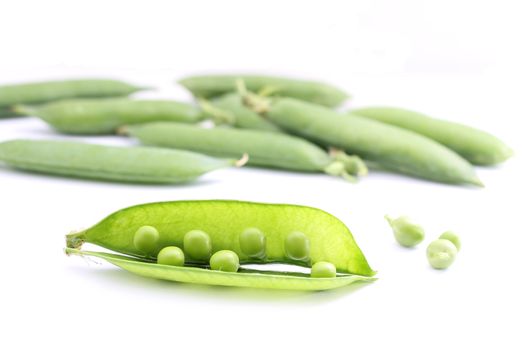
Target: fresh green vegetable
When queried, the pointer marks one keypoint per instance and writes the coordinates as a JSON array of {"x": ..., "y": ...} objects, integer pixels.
[
  {"x": 252, "y": 243},
  {"x": 392, "y": 147},
  {"x": 42, "y": 92},
  {"x": 225, "y": 260},
  {"x": 243, "y": 278},
  {"x": 476, "y": 146},
  {"x": 173, "y": 256},
  {"x": 104, "y": 116},
  {"x": 208, "y": 86},
  {"x": 264, "y": 149},
  {"x": 146, "y": 239},
  {"x": 441, "y": 253},
  {"x": 197, "y": 245},
  {"x": 125, "y": 164},
  {"x": 406, "y": 232},
  {"x": 294, "y": 234},
  {"x": 297, "y": 246},
  {"x": 323, "y": 269},
  {"x": 6, "y": 112},
  {"x": 453, "y": 237},
  {"x": 229, "y": 109}
]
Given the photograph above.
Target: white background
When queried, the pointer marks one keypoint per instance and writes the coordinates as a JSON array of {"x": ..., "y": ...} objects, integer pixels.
[{"x": 461, "y": 60}]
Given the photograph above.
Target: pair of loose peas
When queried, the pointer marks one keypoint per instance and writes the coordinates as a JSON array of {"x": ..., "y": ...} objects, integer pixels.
[
  {"x": 441, "y": 253},
  {"x": 197, "y": 245}
]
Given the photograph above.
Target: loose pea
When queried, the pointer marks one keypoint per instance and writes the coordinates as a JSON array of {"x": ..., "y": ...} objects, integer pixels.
[
  {"x": 225, "y": 260},
  {"x": 441, "y": 253},
  {"x": 173, "y": 256},
  {"x": 407, "y": 233},
  {"x": 323, "y": 269},
  {"x": 253, "y": 242},
  {"x": 146, "y": 239},
  {"x": 453, "y": 237},
  {"x": 297, "y": 246},
  {"x": 197, "y": 244}
]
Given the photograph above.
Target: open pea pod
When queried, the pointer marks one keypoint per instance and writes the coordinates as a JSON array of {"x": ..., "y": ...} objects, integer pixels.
[
  {"x": 242, "y": 278},
  {"x": 225, "y": 221}
]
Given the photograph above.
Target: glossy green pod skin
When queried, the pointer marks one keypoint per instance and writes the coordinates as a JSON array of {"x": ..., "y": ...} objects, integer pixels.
[
  {"x": 242, "y": 278},
  {"x": 121, "y": 164},
  {"x": 105, "y": 116},
  {"x": 43, "y": 92},
  {"x": 209, "y": 86},
  {"x": 242, "y": 117},
  {"x": 224, "y": 221},
  {"x": 274, "y": 150},
  {"x": 392, "y": 147},
  {"x": 476, "y": 146}
]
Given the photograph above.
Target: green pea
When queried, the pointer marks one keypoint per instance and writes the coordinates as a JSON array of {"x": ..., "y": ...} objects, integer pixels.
[
  {"x": 453, "y": 237},
  {"x": 297, "y": 246},
  {"x": 441, "y": 253},
  {"x": 208, "y": 86},
  {"x": 106, "y": 116},
  {"x": 173, "y": 256},
  {"x": 253, "y": 242},
  {"x": 476, "y": 146},
  {"x": 407, "y": 233},
  {"x": 391, "y": 147},
  {"x": 323, "y": 269},
  {"x": 110, "y": 163},
  {"x": 266, "y": 149},
  {"x": 225, "y": 260},
  {"x": 197, "y": 244},
  {"x": 146, "y": 239},
  {"x": 224, "y": 221},
  {"x": 46, "y": 91}
]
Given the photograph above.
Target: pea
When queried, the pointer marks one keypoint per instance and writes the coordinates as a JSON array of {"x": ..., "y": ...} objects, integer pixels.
[
  {"x": 173, "y": 256},
  {"x": 453, "y": 237},
  {"x": 391, "y": 147},
  {"x": 146, "y": 239},
  {"x": 441, "y": 253},
  {"x": 273, "y": 150},
  {"x": 46, "y": 91},
  {"x": 289, "y": 231},
  {"x": 297, "y": 246},
  {"x": 476, "y": 146},
  {"x": 323, "y": 269},
  {"x": 225, "y": 260},
  {"x": 110, "y": 163},
  {"x": 407, "y": 233},
  {"x": 197, "y": 244},
  {"x": 208, "y": 86},
  {"x": 105, "y": 116},
  {"x": 253, "y": 243}
]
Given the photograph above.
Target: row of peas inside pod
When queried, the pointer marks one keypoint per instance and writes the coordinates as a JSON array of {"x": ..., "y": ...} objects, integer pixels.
[{"x": 197, "y": 246}]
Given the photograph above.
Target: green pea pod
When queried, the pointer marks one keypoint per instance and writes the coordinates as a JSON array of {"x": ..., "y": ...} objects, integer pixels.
[
  {"x": 6, "y": 112},
  {"x": 225, "y": 221},
  {"x": 243, "y": 278},
  {"x": 209, "y": 86},
  {"x": 392, "y": 147},
  {"x": 265, "y": 149},
  {"x": 42, "y": 92},
  {"x": 476, "y": 146},
  {"x": 105, "y": 116},
  {"x": 240, "y": 116},
  {"x": 124, "y": 164}
]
